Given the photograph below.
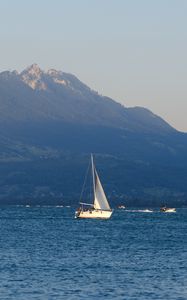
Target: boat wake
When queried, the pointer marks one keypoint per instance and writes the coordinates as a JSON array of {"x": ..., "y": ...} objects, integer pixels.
[{"x": 140, "y": 210}]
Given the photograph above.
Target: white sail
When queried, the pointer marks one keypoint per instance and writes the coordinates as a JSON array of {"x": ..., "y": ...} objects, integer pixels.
[{"x": 100, "y": 201}]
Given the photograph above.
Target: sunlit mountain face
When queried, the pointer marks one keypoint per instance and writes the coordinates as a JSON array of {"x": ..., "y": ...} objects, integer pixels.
[{"x": 50, "y": 122}]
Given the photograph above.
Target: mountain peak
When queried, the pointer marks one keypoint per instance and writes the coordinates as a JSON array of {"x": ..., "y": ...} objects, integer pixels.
[
  {"x": 33, "y": 70},
  {"x": 32, "y": 77}
]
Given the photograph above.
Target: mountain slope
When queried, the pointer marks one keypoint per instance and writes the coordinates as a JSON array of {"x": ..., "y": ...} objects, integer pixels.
[
  {"x": 53, "y": 95},
  {"x": 50, "y": 122}
]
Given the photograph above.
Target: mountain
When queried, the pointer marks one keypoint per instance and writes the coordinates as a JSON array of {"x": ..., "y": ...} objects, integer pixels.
[
  {"x": 35, "y": 95},
  {"x": 50, "y": 122}
]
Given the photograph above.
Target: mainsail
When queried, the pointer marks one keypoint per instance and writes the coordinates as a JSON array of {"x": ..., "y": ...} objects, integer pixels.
[{"x": 100, "y": 200}]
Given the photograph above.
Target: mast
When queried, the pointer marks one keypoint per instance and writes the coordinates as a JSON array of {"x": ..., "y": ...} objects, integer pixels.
[{"x": 93, "y": 175}]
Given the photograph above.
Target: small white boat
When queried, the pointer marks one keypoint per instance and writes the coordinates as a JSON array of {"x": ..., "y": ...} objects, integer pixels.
[
  {"x": 100, "y": 209},
  {"x": 167, "y": 209},
  {"x": 121, "y": 206}
]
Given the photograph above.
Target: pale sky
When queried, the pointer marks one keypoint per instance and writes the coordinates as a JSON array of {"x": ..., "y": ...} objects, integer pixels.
[{"x": 134, "y": 51}]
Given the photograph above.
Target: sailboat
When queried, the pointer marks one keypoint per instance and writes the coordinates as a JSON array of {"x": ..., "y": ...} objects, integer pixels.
[{"x": 100, "y": 208}]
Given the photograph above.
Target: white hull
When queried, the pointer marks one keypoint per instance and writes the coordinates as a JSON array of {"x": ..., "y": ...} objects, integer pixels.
[
  {"x": 168, "y": 210},
  {"x": 94, "y": 214}
]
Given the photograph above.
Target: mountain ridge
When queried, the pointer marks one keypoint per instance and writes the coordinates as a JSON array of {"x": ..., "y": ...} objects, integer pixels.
[
  {"x": 50, "y": 122},
  {"x": 48, "y": 92}
]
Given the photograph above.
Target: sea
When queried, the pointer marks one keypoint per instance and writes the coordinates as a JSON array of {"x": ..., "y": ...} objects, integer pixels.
[{"x": 47, "y": 254}]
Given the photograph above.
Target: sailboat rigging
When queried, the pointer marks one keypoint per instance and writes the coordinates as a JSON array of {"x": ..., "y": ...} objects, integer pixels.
[{"x": 100, "y": 207}]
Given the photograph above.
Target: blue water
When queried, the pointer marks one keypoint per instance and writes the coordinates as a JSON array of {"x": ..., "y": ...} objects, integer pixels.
[{"x": 46, "y": 254}]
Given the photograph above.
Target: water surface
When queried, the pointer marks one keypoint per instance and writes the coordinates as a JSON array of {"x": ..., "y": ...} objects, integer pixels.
[{"x": 47, "y": 254}]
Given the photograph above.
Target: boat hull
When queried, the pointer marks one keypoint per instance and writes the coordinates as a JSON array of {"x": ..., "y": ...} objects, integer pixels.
[
  {"x": 93, "y": 214},
  {"x": 168, "y": 210}
]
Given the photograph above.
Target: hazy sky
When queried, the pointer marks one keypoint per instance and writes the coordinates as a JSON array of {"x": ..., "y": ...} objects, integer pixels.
[{"x": 134, "y": 51}]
